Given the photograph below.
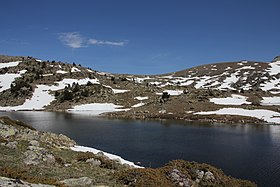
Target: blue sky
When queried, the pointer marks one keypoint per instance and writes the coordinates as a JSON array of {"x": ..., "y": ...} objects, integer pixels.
[{"x": 142, "y": 37}]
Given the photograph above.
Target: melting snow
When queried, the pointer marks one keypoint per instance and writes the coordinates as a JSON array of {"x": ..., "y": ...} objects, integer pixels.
[
  {"x": 110, "y": 156},
  {"x": 275, "y": 68},
  {"x": 96, "y": 108},
  {"x": 266, "y": 115},
  {"x": 272, "y": 84},
  {"x": 233, "y": 100},
  {"x": 61, "y": 72},
  {"x": 141, "y": 98},
  {"x": 172, "y": 92},
  {"x": 6, "y": 80},
  {"x": 269, "y": 101},
  {"x": 228, "y": 81},
  {"x": 47, "y": 75},
  {"x": 41, "y": 96},
  {"x": 116, "y": 91},
  {"x": 9, "y": 64},
  {"x": 138, "y": 105},
  {"x": 140, "y": 80},
  {"x": 74, "y": 69}
]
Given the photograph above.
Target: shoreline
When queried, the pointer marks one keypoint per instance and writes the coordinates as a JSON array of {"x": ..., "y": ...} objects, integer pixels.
[{"x": 211, "y": 118}]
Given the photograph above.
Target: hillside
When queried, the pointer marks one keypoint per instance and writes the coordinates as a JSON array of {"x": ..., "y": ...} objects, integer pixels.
[
  {"x": 42, "y": 159},
  {"x": 242, "y": 92}
]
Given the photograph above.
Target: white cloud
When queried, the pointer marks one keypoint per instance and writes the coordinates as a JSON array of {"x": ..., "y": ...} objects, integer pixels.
[
  {"x": 72, "y": 39},
  {"x": 75, "y": 40},
  {"x": 101, "y": 42}
]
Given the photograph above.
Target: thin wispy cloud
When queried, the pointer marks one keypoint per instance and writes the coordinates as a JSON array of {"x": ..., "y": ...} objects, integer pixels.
[
  {"x": 76, "y": 40},
  {"x": 102, "y": 42},
  {"x": 72, "y": 39}
]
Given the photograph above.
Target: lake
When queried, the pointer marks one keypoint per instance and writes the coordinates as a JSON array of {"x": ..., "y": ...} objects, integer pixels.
[{"x": 244, "y": 151}]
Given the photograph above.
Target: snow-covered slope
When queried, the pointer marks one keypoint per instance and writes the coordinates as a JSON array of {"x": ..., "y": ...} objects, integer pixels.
[{"x": 212, "y": 88}]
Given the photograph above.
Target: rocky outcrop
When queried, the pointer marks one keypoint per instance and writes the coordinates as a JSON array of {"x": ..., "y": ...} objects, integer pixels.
[
  {"x": 4, "y": 181},
  {"x": 181, "y": 173},
  {"x": 78, "y": 182}
]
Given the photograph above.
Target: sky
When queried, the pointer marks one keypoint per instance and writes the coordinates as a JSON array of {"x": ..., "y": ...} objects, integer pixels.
[{"x": 141, "y": 37}]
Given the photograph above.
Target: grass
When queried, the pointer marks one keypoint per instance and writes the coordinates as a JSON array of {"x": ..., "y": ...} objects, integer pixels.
[{"x": 8, "y": 121}]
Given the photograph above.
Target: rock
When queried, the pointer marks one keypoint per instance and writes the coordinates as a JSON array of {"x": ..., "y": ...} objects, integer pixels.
[
  {"x": 200, "y": 175},
  {"x": 209, "y": 176},
  {"x": 7, "y": 131},
  {"x": 11, "y": 145},
  {"x": 4, "y": 181},
  {"x": 35, "y": 155},
  {"x": 28, "y": 134},
  {"x": 83, "y": 181},
  {"x": 93, "y": 162},
  {"x": 180, "y": 179},
  {"x": 34, "y": 143},
  {"x": 100, "y": 153}
]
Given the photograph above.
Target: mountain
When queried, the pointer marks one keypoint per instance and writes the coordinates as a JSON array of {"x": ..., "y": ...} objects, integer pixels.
[{"x": 231, "y": 92}]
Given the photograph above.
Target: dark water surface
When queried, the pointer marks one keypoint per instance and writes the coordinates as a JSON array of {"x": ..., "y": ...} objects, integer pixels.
[{"x": 244, "y": 151}]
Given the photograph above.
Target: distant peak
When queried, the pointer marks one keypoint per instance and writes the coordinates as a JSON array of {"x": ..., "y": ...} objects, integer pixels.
[{"x": 277, "y": 58}]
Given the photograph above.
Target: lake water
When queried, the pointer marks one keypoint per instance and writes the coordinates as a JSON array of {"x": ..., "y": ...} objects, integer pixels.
[{"x": 244, "y": 151}]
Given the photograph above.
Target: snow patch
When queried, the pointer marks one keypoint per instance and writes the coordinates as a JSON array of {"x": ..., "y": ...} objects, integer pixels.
[
  {"x": 47, "y": 75},
  {"x": 266, "y": 115},
  {"x": 9, "y": 64},
  {"x": 138, "y": 105},
  {"x": 270, "y": 101},
  {"x": 6, "y": 80},
  {"x": 233, "y": 100},
  {"x": 41, "y": 96},
  {"x": 74, "y": 69},
  {"x": 172, "y": 92},
  {"x": 275, "y": 68},
  {"x": 96, "y": 108},
  {"x": 110, "y": 156},
  {"x": 228, "y": 82},
  {"x": 141, "y": 98},
  {"x": 61, "y": 72},
  {"x": 117, "y": 91}
]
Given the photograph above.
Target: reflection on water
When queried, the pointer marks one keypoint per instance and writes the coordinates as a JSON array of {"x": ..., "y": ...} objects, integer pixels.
[{"x": 243, "y": 151}]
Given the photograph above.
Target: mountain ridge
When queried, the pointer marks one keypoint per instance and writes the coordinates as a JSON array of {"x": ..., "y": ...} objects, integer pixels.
[{"x": 28, "y": 83}]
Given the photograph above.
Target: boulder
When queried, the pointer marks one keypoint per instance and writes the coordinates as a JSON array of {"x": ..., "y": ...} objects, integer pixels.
[
  {"x": 93, "y": 162},
  {"x": 11, "y": 145},
  {"x": 7, "y": 131},
  {"x": 77, "y": 182},
  {"x": 4, "y": 181},
  {"x": 35, "y": 155}
]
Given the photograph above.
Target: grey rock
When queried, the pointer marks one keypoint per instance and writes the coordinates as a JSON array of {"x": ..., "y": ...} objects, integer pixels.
[
  {"x": 94, "y": 162},
  {"x": 180, "y": 179},
  {"x": 35, "y": 155},
  {"x": 11, "y": 145},
  {"x": 4, "y": 181},
  {"x": 76, "y": 182},
  {"x": 199, "y": 174},
  {"x": 34, "y": 143},
  {"x": 7, "y": 131},
  {"x": 209, "y": 176}
]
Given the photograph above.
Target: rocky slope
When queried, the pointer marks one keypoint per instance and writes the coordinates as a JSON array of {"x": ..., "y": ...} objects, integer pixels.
[
  {"x": 242, "y": 92},
  {"x": 41, "y": 159}
]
